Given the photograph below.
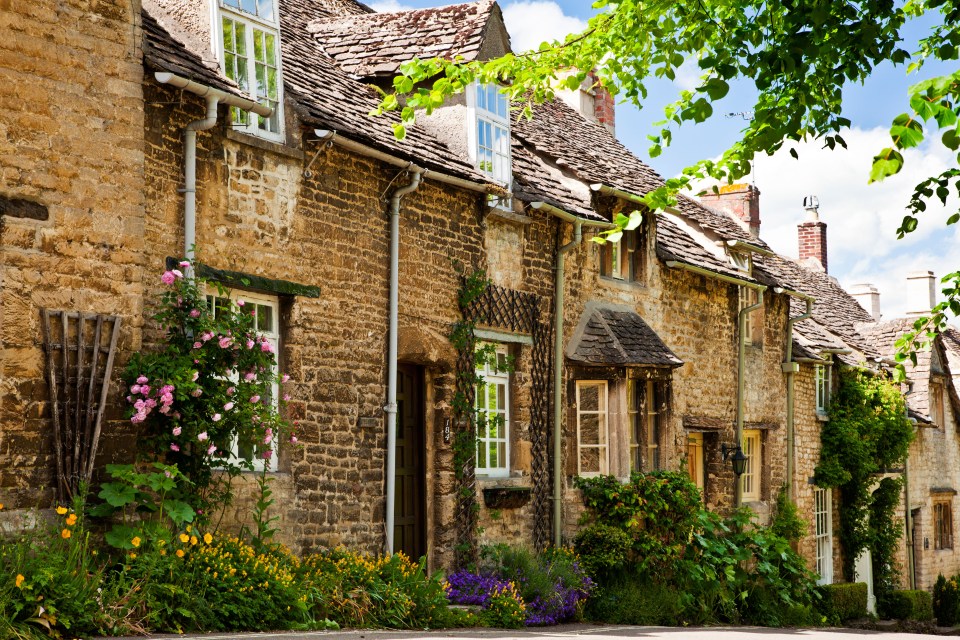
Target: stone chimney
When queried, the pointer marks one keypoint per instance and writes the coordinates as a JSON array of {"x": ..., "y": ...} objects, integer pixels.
[
  {"x": 921, "y": 292},
  {"x": 869, "y": 298},
  {"x": 812, "y": 236},
  {"x": 740, "y": 200},
  {"x": 592, "y": 101}
]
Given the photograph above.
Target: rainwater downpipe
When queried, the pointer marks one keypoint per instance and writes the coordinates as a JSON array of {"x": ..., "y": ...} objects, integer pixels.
[
  {"x": 391, "y": 407},
  {"x": 741, "y": 372},
  {"x": 190, "y": 177},
  {"x": 559, "y": 282},
  {"x": 790, "y": 369}
]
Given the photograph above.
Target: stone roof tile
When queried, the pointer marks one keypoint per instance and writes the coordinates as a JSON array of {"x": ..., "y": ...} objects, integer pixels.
[
  {"x": 619, "y": 337},
  {"x": 357, "y": 42}
]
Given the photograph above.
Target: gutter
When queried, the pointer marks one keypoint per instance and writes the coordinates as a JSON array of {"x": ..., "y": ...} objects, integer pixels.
[
  {"x": 790, "y": 368},
  {"x": 391, "y": 407},
  {"x": 329, "y": 135},
  {"x": 559, "y": 283},
  {"x": 632, "y": 197},
  {"x": 214, "y": 98},
  {"x": 741, "y": 347}
]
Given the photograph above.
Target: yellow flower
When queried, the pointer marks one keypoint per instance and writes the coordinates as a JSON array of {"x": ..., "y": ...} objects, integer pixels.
[
  {"x": 193, "y": 539},
  {"x": 1, "y": 506},
  {"x": 71, "y": 519},
  {"x": 184, "y": 537},
  {"x": 133, "y": 556},
  {"x": 61, "y": 511},
  {"x": 179, "y": 553},
  {"x": 65, "y": 534},
  {"x": 188, "y": 528},
  {"x": 207, "y": 538},
  {"x": 20, "y": 580},
  {"x": 136, "y": 541},
  {"x": 163, "y": 552}
]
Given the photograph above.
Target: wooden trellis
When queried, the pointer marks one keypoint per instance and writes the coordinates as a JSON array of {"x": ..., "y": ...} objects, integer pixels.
[{"x": 80, "y": 350}]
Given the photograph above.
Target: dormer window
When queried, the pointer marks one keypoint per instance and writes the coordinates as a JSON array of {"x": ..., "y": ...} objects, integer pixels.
[
  {"x": 489, "y": 132},
  {"x": 250, "y": 52},
  {"x": 740, "y": 260}
]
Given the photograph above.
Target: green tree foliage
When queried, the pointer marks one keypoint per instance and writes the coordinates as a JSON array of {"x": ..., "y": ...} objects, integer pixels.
[
  {"x": 797, "y": 55},
  {"x": 868, "y": 431}
]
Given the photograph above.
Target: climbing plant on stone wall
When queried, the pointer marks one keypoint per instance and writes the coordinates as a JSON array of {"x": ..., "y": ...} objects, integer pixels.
[{"x": 868, "y": 432}]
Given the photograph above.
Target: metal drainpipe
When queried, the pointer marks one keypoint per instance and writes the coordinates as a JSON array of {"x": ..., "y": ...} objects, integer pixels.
[
  {"x": 790, "y": 368},
  {"x": 741, "y": 380},
  {"x": 391, "y": 407},
  {"x": 558, "y": 381},
  {"x": 190, "y": 177}
]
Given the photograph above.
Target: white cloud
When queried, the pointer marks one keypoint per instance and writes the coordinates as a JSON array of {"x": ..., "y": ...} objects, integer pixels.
[
  {"x": 531, "y": 22},
  {"x": 388, "y": 6},
  {"x": 861, "y": 218}
]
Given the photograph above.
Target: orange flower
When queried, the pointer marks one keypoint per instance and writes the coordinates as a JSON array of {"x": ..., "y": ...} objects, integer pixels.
[
  {"x": 1, "y": 506},
  {"x": 65, "y": 534},
  {"x": 20, "y": 580},
  {"x": 179, "y": 553},
  {"x": 71, "y": 519},
  {"x": 61, "y": 511},
  {"x": 136, "y": 541},
  {"x": 133, "y": 556}
]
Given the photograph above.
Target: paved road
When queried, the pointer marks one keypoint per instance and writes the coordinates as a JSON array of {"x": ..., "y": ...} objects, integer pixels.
[{"x": 567, "y": 632}]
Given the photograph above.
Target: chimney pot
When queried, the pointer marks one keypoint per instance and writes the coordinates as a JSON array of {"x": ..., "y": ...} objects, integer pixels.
[
  {"x": 742, "y": 201},
  {"x": 921, "y": 292},
  {"x": 869, "y": 298}
]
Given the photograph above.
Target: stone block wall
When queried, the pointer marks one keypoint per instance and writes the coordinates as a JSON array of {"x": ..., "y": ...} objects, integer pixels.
[{"x": 71, "y": 131}]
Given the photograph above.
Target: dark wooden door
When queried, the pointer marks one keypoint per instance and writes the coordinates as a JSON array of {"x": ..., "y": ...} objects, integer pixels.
[{"x": 410, "y": 505}]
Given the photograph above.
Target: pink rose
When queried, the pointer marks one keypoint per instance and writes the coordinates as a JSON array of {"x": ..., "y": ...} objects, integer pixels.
[
  {"x": 225, "y": 342},
  {"x": 135, "y": 389},
  {"x": 266, "y": 347},
  {"x": 174, "y": 447},
  {"x": 177, "y": 273},
  {"x": 286, "y": 397},
  {"x": 168, "y": 278},
  {"x": 184, "y": 264},
  {"x": 231, "y": 391},
  {"x": 197, "y": 345},
  {"x": 228, "y": 406},
  {"x": 267, "y": 454},
  {"x": 212, "y": 450},
  {"x": 285, "y": 378},
  {"x": 206, "y": 335},
  {"x": 293, "y": 439},
  {"x": 202, "y": 436},
  {"x": 145, "y": 389},
  {"x": 249, "y": 376},
  {"x": 267, "y": 439},
  {"x": 255, "y": 399},
  {"x": 143, "y": 380},
  {"x": 250, "y": 344},
  {"x": 196, "y": 374},
  {"x": 177, "y": 431},
  {"x": 194, "y": 313},
  {"x": 240, "y": 303},
  {"x": 216, "y": 417},
  {"x": 196, "y": 393}
]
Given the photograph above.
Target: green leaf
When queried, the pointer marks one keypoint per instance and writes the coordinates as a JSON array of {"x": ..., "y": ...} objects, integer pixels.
[
  {"x": 716, "y": 88},
  {"x": 887, "y": 163},
  {"x": 120, "y": 536},
  {"x": 950, "y": 139},
  {"x": 179, "y": 512},
  {"x": 117, "y": 494},
  {"x": 399, "y": 131}
]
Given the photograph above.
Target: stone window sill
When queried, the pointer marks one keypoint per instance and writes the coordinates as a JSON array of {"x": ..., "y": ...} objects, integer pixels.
[{"x": 264, "y": 145}]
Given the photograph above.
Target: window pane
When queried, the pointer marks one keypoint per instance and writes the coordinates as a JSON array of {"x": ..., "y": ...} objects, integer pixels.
[
  {"x": 590, "y": 429},
  {"x": 228, "y": 38},
  {"x": 590, "y": 397},
  {"x": 265, "y": 9},
  {"x": 272, "y": 92},
  {"x": 481, "y": 98},
  {"x": 232, "y": 3},
  {"x": 250, "y": 6},
  {"x": 590, "y": 460},
  {"x": 258, "y": 48},
  {"x": 265, "y": 318},
  {"x": 494, "y": 458},
  {"x": 261, "y": 72},
  {"x": 240, "y": 39}
]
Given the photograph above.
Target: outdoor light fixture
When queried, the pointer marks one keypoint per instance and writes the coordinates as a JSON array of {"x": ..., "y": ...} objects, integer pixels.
[{"x": 736, "y": 456}]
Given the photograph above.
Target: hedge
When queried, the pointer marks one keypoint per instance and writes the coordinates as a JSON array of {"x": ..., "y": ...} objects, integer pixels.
[
  {"x": 844, "y": 601},
  {"x": 909, "y": 605}
]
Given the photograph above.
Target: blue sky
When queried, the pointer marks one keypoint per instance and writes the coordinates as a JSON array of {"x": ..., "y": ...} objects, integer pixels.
[{"x": 862, "y": 219}]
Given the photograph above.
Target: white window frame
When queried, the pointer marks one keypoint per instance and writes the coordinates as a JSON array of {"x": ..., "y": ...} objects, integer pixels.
[
  {"x": 494, "y": 376},
  {"x": 751, "y": 479},
  {"x": 273, "y": 337},
  {"x": 695, "y": 459},
  {"x": 603, "y": 429},
  {"x": 821, "y": 374},
  {"x": 476, "y": 116},
  {"x": 741, "y": 261},
  {"x": 245, "y": 121},
  {"x": 823, "y": 533},
  {"x": 616, "y": 260}
]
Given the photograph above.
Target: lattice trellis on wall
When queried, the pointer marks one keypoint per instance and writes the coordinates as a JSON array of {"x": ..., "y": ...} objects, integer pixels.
[
  {"x": 80, "y": 350},
  {"x": 502, "y": 308}
]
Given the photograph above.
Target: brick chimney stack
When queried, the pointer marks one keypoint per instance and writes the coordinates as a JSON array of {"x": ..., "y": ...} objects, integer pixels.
[
  {"x": 740, "y": 200},
  {"x": 812, "y": 236},
  {"x": 604, "y": 107}
]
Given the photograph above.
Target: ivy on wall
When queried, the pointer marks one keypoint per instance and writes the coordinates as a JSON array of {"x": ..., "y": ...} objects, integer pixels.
[{"x": 868, "y": 432}]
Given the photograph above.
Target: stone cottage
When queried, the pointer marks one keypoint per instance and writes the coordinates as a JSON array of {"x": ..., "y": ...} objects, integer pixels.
[{"x": 238, "y": 132}]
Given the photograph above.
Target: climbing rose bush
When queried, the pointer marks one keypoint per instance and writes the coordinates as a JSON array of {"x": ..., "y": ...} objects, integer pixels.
[{"x": 208, "y": 386}]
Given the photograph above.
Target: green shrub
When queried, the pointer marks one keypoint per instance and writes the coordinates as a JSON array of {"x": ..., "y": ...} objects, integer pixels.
[
  {"x": 635, "y": 601},
  {"x": 844, "y": 601},
  {"x": 603, "y": 549},
  {"x": 506, "y": 609},
  {"x": 946, "y": 601},
  {"x": 908, "y": 605},
  {"x": 787, "y": 522}
]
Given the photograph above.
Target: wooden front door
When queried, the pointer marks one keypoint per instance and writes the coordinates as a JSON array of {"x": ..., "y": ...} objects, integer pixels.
[{"x": 410, "y": 506}]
